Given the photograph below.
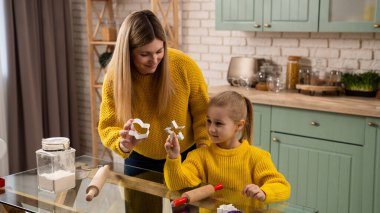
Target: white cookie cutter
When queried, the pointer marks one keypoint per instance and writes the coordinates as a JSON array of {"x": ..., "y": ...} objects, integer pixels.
[
  {"x": 143, "y": 125},
  {"x": 174, "y": 126},
  {"x": 226, "y": 208}
]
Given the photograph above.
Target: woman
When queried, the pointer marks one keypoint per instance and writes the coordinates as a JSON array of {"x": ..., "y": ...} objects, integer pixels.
[{"x": 156, "y": 84}]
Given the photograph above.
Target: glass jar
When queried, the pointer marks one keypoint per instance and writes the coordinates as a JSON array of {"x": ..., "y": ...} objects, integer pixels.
[
  {"x": 56, "y": 165},
  {"x": 275, "y": 83},
  {"x": 292, "y": 72},
  {"x": 335, "y": 78},
  {"x": 304, "y": 76}
]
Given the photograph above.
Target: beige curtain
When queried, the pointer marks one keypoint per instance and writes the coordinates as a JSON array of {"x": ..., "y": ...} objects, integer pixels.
[{"x": 41, "y": 84}]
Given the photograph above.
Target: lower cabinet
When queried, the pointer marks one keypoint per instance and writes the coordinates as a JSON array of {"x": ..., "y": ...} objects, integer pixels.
[
  {"x": 373, "y": 134},
  {"x": 261, "y": 126},
  {"x": 324, "y": 175},
  {"x": 331, "y": 160}
]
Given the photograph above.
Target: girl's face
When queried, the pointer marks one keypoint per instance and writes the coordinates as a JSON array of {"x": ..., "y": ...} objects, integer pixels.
[
  {"x": 221, "y": 128},
  {"x": 148, "y": 57}
]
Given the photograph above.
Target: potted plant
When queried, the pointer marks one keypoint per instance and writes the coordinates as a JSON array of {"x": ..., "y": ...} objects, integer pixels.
[{"x": 361, "y": 84}]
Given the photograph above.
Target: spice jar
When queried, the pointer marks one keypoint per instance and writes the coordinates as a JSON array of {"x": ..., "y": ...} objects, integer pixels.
[
  {"x": 292, "y": 72},
  {"x": 56, "y": 165}
]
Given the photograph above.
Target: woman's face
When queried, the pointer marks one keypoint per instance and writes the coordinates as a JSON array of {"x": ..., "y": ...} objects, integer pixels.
[{"x": 148, "y": 57}]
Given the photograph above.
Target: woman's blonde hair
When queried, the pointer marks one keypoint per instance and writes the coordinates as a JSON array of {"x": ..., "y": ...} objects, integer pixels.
[
  {"x": 138, "y": 29},
  {"x": 239, "y": 108}
]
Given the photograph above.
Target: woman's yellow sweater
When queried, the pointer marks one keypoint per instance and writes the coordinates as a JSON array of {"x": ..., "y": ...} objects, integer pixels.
[
  {"x": 234, "y": 168},
  {"x": 188, "y": 108}
]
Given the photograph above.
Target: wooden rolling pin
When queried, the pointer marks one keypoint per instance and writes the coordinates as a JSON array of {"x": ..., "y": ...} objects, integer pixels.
[
  {"x": 97, "y": 182},
  {"x": 196, "y": 194}
]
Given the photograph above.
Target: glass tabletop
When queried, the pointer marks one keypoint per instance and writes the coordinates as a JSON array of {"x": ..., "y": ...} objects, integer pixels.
[{"x": 145, "y": 192}]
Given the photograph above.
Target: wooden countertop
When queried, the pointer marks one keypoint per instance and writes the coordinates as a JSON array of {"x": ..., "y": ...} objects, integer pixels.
[{"x": 337, "y": 104}]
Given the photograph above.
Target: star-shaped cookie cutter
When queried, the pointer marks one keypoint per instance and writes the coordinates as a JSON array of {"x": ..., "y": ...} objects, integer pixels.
[
  {"x": 171, "y": 129},
  {"x": 142, "y": 125}
]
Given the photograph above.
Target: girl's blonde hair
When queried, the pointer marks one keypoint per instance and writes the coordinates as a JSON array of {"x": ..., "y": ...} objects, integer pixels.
[
  {"x": 138, "y": 29},
  {"x": 239, "y": 108}
]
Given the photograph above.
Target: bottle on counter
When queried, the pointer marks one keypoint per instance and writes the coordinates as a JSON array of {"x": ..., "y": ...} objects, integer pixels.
[
  {"x": 292, "y": 72},
  {"x": 304, "y": 75},
  {"x": 318, "y": 75},
  {"x": 265, "y": 70},
  {"x": 335, "y": 78}
]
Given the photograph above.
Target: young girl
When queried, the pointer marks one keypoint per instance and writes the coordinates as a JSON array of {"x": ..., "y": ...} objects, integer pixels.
[{"x": 230, "y": 159}]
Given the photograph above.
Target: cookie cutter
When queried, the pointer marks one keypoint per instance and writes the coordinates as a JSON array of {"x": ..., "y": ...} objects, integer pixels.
[
  {"x": 174, "y": 126},
  {"x": 143, "y": 125}
]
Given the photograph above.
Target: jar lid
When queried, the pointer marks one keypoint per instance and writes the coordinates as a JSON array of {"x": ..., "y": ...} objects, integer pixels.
[
  {"x": 294, "y": 58},
  {"x": 55, "y": 144}
]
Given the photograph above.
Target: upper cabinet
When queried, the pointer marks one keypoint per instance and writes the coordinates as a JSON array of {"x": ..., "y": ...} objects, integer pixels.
[
  {"x": 349, "y": 16},
  {"x": 298, "y": 15},
  {"x": 267, "y": 15}
]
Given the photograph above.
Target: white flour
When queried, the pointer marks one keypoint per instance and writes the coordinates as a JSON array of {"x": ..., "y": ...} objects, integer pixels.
[{"x": 56, "y": 182}]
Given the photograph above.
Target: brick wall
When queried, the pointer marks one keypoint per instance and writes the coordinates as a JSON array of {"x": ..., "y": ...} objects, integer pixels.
[{"x": 213, "y": 49}]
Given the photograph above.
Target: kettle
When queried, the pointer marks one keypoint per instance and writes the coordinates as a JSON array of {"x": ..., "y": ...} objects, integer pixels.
[{"x": 242, "y": 71}]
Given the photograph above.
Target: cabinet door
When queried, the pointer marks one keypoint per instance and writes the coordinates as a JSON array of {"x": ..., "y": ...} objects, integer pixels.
[
  {"x": 373, "y": 136},
  {"x": 291, "y": 15},
  {"x": 261, "y": 126},
  {"x": 349, "y": 16},
  {"x": 244, "y": 15},
  {"x": 323, "y": 174}
]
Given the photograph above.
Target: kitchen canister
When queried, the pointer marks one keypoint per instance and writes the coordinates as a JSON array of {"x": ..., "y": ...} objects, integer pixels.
[
  {"x": 292, "y": 72},
  {"x": 56, "y": 165}
]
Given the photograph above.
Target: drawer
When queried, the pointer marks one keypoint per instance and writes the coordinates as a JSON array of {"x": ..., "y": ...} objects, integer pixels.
[{"x": 317, "y": 124}]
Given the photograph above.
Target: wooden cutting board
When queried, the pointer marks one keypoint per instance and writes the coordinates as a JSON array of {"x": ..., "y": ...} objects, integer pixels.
[{"x": 322, "y": 89}]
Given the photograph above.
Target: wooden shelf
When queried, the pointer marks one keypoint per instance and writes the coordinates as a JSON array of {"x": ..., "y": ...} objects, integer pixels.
[
  {"x": 103, "y": 12},
  {"x": 98, "y": 42}
]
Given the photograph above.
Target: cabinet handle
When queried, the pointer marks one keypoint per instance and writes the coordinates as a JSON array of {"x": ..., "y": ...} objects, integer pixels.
[
  {"x": 372, "y": 124},
  {"x": 274, "y": 139},
  {"x": 256, "y": 25},
  {"x": 267, "y": 25},
  {"x": 314, "y": 123},
  {"x": 376, "y": 25}
]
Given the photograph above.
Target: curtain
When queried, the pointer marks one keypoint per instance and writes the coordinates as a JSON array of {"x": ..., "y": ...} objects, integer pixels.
[{"x": 41, "y": 84}]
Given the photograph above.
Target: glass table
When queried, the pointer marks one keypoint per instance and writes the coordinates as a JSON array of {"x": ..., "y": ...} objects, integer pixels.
[{"x": 145, "y": 192}]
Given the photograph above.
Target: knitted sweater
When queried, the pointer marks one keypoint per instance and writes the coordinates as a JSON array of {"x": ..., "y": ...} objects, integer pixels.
[
  {"x": 234, "y": 168},
  {"x": 188, "y": 108}
]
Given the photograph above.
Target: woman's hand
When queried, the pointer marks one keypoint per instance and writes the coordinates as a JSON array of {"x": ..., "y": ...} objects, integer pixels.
[
  {"x": 172, "y": 146},
  {"x": 254, "y": 191},
  {"x": 127, "y": 142}
]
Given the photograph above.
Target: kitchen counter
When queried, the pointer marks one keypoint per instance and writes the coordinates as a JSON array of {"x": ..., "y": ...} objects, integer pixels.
[{"x": 337, "y": 104}]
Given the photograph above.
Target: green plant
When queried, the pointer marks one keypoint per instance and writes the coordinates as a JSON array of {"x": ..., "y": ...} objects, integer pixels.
[
  {"x": 105, "y": 58},
  {"x": 367, "y": 81}
]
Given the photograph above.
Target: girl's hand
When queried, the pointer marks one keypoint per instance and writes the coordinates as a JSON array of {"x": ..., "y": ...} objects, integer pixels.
[
  {"x": 127, "y": 142},
  {"x": 172, "y": 146},
  {"x": 254, "y": 191}
]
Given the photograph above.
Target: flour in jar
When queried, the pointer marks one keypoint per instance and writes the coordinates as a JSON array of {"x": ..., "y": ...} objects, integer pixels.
[{"x": 56, "y": 182}]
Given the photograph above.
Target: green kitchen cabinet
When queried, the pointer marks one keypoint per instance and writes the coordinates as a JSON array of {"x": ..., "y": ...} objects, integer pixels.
[
  {"x": 267, "y": 15},
  {"x": 349, "y": 16},
  {"x": 373, "y": 134},
  {"x": 330, "y": 159},
  {"x": 324, "y": 175},
  {"x": 261, "y": 126}
]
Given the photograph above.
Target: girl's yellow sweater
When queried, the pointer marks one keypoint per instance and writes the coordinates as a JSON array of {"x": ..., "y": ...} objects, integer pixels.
[
  {"x": 188, "y": 108},
  {"x": 234, "y": 168}
]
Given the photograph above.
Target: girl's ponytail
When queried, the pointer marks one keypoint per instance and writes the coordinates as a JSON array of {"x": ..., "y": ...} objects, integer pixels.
[{"x": 249, "y": 121}]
